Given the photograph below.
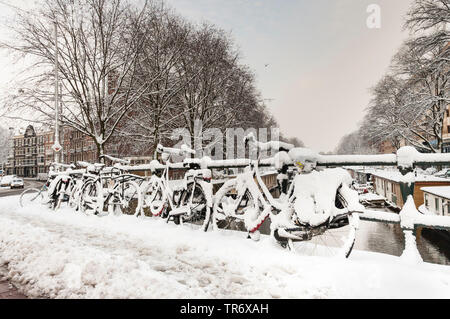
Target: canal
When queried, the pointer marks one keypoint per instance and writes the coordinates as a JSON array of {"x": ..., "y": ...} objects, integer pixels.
[{"x": 433, "y": 245}]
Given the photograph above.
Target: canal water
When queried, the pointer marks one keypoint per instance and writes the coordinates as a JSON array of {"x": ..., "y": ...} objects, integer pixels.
[{"x": 433, "y": 245}]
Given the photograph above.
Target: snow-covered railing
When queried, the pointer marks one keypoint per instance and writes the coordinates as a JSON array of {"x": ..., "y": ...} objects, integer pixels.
[
  {"x": 378, "y": 216},
  {"x": 406, "y": 158}
]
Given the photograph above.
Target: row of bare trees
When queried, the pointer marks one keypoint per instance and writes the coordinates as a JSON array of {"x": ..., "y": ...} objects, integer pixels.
[
  {"x": 129, "y": 75},
  {"x": 409, "y": 103}
]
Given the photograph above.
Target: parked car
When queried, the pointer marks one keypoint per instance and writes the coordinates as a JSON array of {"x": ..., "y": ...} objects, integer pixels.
[
  {"x": 6, "y": 180},
  {"x": 17, "y": 183}
]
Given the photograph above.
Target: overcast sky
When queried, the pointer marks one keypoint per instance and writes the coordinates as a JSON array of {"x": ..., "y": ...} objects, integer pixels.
[{"x": 322, "y": 56}]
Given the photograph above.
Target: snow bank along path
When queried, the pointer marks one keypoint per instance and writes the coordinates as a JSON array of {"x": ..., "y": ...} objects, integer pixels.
[{"x": 65, "y": 254}]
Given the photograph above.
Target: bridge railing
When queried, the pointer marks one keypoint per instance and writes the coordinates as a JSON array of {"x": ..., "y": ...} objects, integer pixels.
[{"x": 406, "y": 159}]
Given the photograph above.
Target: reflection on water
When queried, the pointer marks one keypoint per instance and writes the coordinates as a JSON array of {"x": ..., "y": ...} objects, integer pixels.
[{"x": 386, "y": 238}]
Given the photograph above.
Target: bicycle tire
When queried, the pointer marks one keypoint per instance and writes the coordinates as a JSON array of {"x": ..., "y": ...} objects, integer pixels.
[
  {"x": 128, "y": 202},
  {"x": 158, "y": 201},
  {"x": 31, "y": 196},
  {"x": 202, "y": 213},
  {"x": 91, "y": 198},
  {"x": 228, "y": 213},
  {"x": 335, "y": 241}
]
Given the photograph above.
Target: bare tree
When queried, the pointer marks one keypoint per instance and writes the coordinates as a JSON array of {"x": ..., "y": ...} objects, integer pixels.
[
  {"x": 385, "y": 117},
  {"x": 294, "y": 141},
  {"x": 353, "y": 143},
  {"x": 155, "y": 115},
  {"x": 425, "y": 93},
  {"x": 99, "y": 44},
  {"x": 4, "y": 142},
  {"x": 430, "y": 20},
  {"x": 202, "y": 85}
]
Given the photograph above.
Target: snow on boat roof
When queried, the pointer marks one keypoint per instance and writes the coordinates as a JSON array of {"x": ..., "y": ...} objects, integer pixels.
[
  {"x": 396, "y": 176},
  {"x": 441, "y": 191}
]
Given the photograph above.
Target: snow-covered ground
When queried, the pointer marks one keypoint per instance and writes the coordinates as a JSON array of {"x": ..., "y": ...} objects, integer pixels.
[{"x": 65, "y": 254}]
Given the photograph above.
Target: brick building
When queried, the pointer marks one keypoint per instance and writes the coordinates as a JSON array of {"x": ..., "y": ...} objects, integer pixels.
[
  {"x": 31, "y": 152},
  {"x": 77, "y": 146},
  {"x": 28, "y": 154}
]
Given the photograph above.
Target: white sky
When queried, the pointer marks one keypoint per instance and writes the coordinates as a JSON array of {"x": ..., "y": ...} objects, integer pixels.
[{"x": 322, "y": 57}]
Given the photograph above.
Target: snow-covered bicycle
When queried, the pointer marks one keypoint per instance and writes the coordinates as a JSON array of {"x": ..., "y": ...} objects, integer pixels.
[
  {"x": 55, "y": 190},
  {"x": 104, "y": 191},
  {"x": 189, "y": 201},
  {"x": 123, "y": 190},
  {"x": 317, "y": 215}
]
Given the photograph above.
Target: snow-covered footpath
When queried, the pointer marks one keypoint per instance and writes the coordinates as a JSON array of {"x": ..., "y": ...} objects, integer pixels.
[{"x": 68, "y": 255}]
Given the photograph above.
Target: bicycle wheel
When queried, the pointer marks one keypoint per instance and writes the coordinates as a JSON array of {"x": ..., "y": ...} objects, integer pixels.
[
  {"x": 334, "y": 239},
  {"x": 194, "y": 199},
  {"x": 31, "y": 196},
  {"x": 125, "y": 198},
  {"x": 158, "y": 201},
  {"x": 235, "y": 211},
  {"x": 91, "y": 198},
  {"x": 63, "y": 191},
  {"x": 75, "y": 194},
  {"x": 148, "y": 190}
]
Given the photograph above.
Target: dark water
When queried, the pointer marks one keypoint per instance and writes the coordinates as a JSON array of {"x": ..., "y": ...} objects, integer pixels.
[{"x": 433, "y": 245}]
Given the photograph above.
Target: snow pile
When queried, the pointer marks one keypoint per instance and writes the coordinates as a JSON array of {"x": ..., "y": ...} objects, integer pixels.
[
  {"x": 409, "y": 214},
  {"x": 408, "y": 217},
  {"x": 406, "y": 156},
  {"x": 423, "y": 209},
  {"x": 300, "y": 154},
  {"x": 315, "y": 195},
  {"x": 280, "y": 159},
  {"x": 441, "y": 191},
  {"x": 68, "y": 255}
]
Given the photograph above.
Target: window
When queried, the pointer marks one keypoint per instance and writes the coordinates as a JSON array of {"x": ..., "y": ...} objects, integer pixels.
[
  {"x": 394, "y": 198},
  {"x": 444, "y": 203},
  {"x": 426, "y": 201},
  {"x": 436, "y": 205}
]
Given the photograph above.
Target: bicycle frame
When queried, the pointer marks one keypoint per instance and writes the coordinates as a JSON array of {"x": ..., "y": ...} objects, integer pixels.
[{"x": 251, "y": 183}]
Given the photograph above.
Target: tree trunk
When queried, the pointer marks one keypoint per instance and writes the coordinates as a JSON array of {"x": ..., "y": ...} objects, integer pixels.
[{"x": 100, "y": 152}]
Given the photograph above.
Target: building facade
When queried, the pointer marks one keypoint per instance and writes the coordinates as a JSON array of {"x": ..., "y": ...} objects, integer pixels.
[
  {"x": 78, "y": 147},
  {"x": 387, "y": 184},
  {"x": 27, "y": 156},
  {"x": 436, "y": 200},
  {"x": 31, "y": 152}
]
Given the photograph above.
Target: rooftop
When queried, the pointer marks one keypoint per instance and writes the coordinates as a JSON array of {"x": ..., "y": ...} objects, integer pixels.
[
  {"x": 396, "y": 176},
  {"x": 441, "y": 191}
]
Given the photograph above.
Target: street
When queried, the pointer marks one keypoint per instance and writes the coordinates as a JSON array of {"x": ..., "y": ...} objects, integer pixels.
[{"x": 6, "y": 191}]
